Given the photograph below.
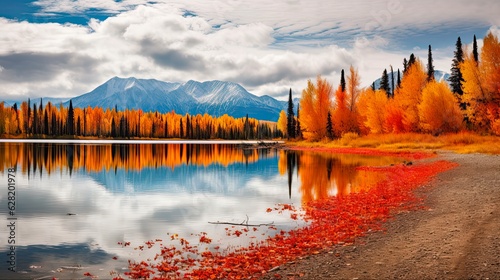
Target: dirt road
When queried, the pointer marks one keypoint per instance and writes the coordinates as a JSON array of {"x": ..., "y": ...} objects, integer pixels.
[{"x": 456, "y": 237}]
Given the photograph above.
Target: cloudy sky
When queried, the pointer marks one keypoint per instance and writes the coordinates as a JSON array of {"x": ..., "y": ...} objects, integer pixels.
[{"x": 64, "y": 48}]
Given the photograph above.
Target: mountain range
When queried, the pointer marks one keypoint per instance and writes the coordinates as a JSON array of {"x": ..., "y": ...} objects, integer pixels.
[{"x": 215, "y": 98}]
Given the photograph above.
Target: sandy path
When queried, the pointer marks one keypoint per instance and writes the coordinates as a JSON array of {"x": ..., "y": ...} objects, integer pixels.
[{"x": 458, "y": 237}]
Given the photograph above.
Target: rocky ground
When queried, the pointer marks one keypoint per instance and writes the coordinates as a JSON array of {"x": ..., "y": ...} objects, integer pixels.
[{"x": 457, "y": 236}]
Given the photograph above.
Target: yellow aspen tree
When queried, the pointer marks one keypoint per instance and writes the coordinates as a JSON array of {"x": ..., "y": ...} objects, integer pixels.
[
  {"x": 474, "y": 93},
  {"x": 410, "y": 95},
  {"x": 282, "y": 122},
  {"x": 439, "y": 110},
  {"x": 490, "y": 67}
]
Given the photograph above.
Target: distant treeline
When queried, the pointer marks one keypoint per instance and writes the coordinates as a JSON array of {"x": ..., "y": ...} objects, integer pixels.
[{"x": 46, "y": 121}]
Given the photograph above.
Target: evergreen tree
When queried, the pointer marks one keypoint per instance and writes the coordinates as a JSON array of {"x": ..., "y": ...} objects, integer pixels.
[
  {"x": 84, "y": 122},
  {"x": 342, "y": 80},
  {"x": 474, "y": 50},
  {"x": 329, "y": 126},
  {"x": 405, "y": 65},
  {"x": 384, "y": 83},
  {"x": 78, "y": 126},
  {"x": 41, "y": 128},
  {"x": 113, "y": 128},
  {"x": 181, "y": 129},
  {"x": 430, "y": 66},
  {"x": 456, "y": 78},
  {"x": 246, "y": 128},
  {"x": 188, "y": 126},
  {"x": 71, "y": 119},
  {"x": 392, "y": 82},
  {"x": 411, "y": 61},
  {"x": 45, "y": 123},
  {"x": 399, "y": 79},
  {"x": 35, "y": 120},
  {"x": 298, "y": 132},
  {"x": 27, "y": 120},
  {"x": 290, "y": 117},
  {"x": 373, "y": 86},
  {"x": 54, "y": 125}
]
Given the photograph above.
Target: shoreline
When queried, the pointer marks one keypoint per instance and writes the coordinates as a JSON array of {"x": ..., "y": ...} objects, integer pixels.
[
  {"x": 455, "y": 236},
  {"x": 148, "y": 141}
]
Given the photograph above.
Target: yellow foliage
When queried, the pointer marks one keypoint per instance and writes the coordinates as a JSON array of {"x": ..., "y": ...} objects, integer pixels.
[
  {"x": 372, "y": 109},
  {"x": 410, "y": 95},
  {"x": 282, "y": 122},
  {"x": 481, "y": 86},
  {"x": 439, "y": 111}
]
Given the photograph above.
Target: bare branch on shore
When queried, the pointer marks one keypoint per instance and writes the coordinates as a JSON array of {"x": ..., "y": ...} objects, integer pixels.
[{"x": 244, "y": 223}]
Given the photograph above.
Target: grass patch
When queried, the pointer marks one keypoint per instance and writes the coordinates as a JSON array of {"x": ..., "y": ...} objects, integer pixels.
[{"x": 463, "y": 142}]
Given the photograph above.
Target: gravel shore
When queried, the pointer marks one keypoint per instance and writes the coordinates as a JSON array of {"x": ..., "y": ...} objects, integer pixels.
[{"x": 457, "y": 236}]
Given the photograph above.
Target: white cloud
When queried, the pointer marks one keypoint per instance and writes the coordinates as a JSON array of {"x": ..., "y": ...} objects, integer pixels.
[{"x": 267, "y": 50}]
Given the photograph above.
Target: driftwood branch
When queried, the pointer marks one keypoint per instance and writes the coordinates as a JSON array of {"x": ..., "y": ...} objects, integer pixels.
[{"x": 244, "y": 223}]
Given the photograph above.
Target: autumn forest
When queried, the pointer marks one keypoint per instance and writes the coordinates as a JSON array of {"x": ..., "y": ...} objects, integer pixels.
[
  {"x": 418, "y": 103},
  {"x": 413, "y": 102}
]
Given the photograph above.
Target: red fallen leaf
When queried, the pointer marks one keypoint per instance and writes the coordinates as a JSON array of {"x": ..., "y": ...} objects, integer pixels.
[
  {"x": 333, "y": 220},
  {"x": 87, "y": 274},
  {"x": 205, "y": 239},
  {"x": 115, "y": 258},
  {"x": 269, "y": 210},
  {"x": 293, "y": 216}
]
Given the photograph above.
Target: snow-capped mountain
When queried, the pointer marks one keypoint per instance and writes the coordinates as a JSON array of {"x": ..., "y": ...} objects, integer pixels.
[{"x": 213, "y": 97}]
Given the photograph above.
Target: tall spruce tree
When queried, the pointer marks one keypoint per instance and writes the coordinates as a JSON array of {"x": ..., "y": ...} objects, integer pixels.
[
  {"x": 342, "y": 80},
  {"x": 384, "y": 83},
  {"x": 290, "y": 117},
  {"x": 475, "y": 53},
  {"x": 405, "y": 65},
  {"x": 411, "y": 61},
  {"x": 392, "y": 82},
  {"x": 456, "y": 77},
  {"x": 298, "y": 132},
  {"x": 329, "y": 126},
  {"x": 430, "y": 66},
  {"x": 35, "y": 120},
  {"x": 399, "y": 79},
  {"x": 70, "y": 126}
]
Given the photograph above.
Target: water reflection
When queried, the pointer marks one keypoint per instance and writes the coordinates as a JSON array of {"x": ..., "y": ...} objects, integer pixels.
[
  {"x": 326, "y": 174},
  {"x": 33, "y": 157},
  {"x": 140, "y": 192}
]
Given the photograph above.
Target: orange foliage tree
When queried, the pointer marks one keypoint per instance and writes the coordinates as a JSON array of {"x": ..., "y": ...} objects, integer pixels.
[
  {"x": 36, "y": 120},
  {"x": 341, "y": 113},
  {"x": 439, "y": 110},
  {"x": 314, "y": 107}
]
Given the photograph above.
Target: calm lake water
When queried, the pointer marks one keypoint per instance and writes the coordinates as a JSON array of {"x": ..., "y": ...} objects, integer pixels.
[{"x": 141, "y": 192}]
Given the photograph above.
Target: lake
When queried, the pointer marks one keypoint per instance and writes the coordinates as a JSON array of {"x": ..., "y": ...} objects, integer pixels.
[{"x": 92, "y": 206}]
